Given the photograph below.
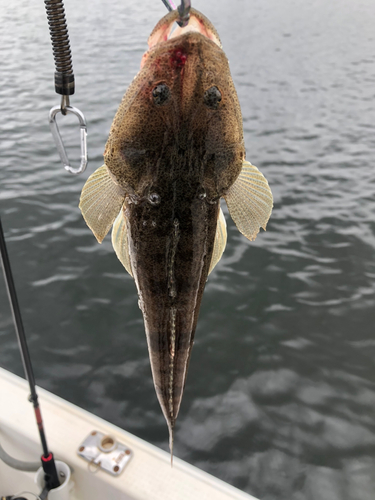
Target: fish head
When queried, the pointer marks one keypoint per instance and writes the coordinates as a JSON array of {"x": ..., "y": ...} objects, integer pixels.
[{"x": 181, "y": 103}]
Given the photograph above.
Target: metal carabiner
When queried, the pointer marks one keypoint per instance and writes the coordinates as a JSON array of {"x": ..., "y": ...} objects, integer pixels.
[
  {"x": 183, "y": 10},
  {"x": 64, "y": 109}
]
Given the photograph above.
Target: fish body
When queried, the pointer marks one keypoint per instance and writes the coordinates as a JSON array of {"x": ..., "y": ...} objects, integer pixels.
[{"x": 174, "y": 150}]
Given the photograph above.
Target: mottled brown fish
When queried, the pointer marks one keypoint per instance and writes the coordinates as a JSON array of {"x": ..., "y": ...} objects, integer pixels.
[{"x": 175, "y": 148}]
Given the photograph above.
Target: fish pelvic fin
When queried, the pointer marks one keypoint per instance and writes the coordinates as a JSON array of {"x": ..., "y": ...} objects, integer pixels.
[
  {"x": 220, "y": 240},
  {"x": 101, "y": 200},
  {"x": 120, "y": 241},
  {"x": 250, "y": 201}
]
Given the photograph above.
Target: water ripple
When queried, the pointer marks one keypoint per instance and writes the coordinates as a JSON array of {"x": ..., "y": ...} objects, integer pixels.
[{"x": 280, "y": 396}]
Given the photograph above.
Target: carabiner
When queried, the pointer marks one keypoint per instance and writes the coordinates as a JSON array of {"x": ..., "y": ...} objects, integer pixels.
[
  {"x": 64, "y": 109},
  {"x": 183, "y": 10}
]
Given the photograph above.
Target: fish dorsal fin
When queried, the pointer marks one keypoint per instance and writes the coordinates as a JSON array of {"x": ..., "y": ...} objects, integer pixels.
[
  {"x": 220, "y": 240},
  {"x": 250, "y": 201},
  {"x": 120, "y": 241},
  {"x": 101, "y": 200}
]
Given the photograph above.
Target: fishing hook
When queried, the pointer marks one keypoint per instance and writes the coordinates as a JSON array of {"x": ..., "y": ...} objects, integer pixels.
[{"x": 183, "y": 10}]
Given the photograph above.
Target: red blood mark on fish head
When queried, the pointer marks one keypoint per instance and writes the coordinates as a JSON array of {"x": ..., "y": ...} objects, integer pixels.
[{"x": 178, "y": 58}]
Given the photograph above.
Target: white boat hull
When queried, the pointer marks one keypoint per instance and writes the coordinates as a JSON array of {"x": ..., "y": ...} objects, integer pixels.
[{"x": 148, "y": 475}]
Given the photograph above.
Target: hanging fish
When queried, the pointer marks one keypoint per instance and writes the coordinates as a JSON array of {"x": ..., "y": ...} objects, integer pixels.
[{"x": 174, "y": 149}]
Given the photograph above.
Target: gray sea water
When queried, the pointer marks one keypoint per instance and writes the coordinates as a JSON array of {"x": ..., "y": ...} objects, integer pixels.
[{"x": 280, "y": 397}]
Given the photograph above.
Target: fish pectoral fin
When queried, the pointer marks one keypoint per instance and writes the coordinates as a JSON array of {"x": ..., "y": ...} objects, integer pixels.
[
  {"x": 120, "y": 241},
  {"x": 220, "y": 240},
  {"x": 100, "y": 202},
  {"x": 250, "y": 201}
]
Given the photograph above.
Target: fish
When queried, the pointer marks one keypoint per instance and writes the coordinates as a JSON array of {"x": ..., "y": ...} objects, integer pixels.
[{"x": 174, "y": 150}]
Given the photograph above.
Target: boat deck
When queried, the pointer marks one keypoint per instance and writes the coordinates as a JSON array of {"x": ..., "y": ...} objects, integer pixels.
[{"x": 147, "y": 476}]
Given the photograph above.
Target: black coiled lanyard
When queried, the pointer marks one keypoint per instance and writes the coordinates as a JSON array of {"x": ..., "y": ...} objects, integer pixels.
[{"x": 64, "y": 82}]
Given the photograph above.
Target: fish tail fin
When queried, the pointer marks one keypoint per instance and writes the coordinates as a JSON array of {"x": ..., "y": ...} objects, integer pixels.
[{"x": 171, "y": 437}]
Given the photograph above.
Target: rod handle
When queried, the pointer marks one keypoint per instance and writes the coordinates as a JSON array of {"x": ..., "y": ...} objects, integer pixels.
[{"x": 50, "y": 472}]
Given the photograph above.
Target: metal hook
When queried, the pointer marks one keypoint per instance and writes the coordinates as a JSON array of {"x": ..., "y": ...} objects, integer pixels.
[
  {"x": 183, "y": 10},
  {"x": 64, "y": 109}
]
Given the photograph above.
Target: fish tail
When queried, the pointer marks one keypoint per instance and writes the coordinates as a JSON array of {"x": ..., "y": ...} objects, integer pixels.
[{"x": 171, "y": 436}]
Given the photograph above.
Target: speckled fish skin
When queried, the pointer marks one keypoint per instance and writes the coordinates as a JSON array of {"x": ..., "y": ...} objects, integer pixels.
[
  {"x": 174, "y": 162},
  {"x": 175, "y": 148}
]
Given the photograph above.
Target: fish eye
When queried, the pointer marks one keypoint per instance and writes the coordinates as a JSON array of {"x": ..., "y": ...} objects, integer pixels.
[
  {"x": 161, "y": 94},
  {"x": 154, "y": 198},
  {"x": 201, "y": 193},
  {"x": 212, "y": 97}
]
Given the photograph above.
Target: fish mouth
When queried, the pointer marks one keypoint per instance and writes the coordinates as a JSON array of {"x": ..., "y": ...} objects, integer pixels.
[{"x": 198, "y": 23}]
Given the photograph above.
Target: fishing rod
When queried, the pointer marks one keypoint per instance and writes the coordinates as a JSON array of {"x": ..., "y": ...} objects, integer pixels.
[{"x": 48, "y": 462}]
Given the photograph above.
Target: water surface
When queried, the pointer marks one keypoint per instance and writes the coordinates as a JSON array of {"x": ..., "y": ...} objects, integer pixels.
[{"x": 280, "y": 397}]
